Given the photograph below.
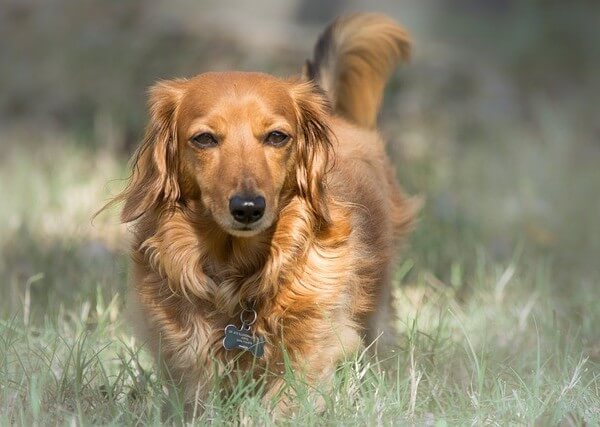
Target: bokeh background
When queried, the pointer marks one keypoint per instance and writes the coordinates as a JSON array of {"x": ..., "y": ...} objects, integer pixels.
[{"x": 495, "y": 121}]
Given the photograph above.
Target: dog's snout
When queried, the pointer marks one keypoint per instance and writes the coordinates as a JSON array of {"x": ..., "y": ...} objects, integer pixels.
[{"x": 247, "y": 209}]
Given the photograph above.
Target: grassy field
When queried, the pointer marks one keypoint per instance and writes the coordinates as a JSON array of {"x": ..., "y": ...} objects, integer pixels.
[
  {"x": 495, "y": 123},
  {"x": 497, "y": 301}
]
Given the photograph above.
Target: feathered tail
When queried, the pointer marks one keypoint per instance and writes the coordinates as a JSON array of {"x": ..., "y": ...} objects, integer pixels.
[{"x": 353, "y": 60}]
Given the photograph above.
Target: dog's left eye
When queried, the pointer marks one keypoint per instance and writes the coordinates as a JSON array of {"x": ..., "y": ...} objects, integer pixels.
[{"x": 276, "y": 138}]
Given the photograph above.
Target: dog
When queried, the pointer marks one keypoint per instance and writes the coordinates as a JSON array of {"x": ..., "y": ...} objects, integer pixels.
[{"x": 266, "y": 214}]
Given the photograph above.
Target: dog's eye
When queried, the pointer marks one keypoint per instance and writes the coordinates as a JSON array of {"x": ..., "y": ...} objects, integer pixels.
[
  {"x": 276, "y": 138},
  {"x": 204, "y": 140}
]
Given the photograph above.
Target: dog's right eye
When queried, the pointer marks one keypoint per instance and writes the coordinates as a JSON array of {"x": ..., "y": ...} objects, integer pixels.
[
  {"x": 276, "y": 138},
  {"x": 204, "y": 140}
]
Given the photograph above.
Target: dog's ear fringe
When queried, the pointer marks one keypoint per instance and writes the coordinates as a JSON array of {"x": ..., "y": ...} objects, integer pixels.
[
  {"x": 313, "y": 153},
  {"x": 153, "y": 166}
]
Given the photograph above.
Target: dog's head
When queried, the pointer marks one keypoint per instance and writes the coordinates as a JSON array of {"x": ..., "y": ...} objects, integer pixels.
[{"x": 240, "y": 143}]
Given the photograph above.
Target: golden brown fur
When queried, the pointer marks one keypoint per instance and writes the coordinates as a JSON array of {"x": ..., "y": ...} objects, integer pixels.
[
  {"x": 316, "y": 265},
  {"x": 353, "y": 60}
]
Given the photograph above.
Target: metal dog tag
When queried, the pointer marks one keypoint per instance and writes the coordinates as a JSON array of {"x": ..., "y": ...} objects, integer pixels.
[{"x": 242, "y": 339}]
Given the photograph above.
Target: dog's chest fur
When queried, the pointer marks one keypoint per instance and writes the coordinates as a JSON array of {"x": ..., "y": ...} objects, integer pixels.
[{"x": 305, "y": 291}]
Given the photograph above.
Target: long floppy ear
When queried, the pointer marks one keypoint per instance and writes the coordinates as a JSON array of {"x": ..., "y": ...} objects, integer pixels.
[
  {"x": 154, "y": 165},
  {"x": 313, "y": 147}
]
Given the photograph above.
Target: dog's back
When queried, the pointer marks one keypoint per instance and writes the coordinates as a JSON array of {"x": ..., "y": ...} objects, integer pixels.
[{"x": 353, "y": 60}]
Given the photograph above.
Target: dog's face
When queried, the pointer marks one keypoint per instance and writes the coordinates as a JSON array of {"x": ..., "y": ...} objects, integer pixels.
[
  {"x": 236, "y": 137},
  {"x": 240, "y": 143}
]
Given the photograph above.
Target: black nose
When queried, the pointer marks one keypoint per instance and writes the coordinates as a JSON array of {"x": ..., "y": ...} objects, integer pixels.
[{"x": 247, "y": 209}]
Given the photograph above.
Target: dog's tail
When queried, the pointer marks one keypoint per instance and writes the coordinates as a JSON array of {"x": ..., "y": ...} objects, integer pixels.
[{"x": 353, "y": 60}]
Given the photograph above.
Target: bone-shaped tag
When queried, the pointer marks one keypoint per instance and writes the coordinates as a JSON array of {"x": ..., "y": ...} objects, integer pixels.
[{"x": 243, "y": 339}]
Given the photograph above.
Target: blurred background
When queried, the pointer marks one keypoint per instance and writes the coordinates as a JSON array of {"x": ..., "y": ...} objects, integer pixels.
[{"x": 496, "y": 122}]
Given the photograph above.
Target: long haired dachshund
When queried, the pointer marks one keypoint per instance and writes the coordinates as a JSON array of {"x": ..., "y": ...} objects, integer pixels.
[{"x": 266, "y": 214}]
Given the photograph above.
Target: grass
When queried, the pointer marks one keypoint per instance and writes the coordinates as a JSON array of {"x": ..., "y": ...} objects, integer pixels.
[{"x": 497, "y": 294}]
